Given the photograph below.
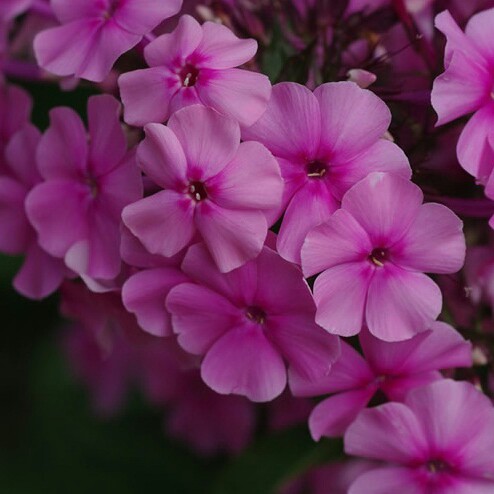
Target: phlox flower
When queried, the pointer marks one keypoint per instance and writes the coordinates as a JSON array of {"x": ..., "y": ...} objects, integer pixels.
[
  {"x": 195, "y": 65},
  {"x": 466, "y": 87},
  {"x": 392, "y": 368},
  {"x": 249, "y": 324},
  {"x": 94, "y": 33},
  {"x": 41, "y": 274},
  {"x": 214, "y": 185},
  {"x": 439, "y": 440},
  {"x": 325, "y": 142},
  {"x": 373, "y": 253},
  {"x": 87, "y": 181}
]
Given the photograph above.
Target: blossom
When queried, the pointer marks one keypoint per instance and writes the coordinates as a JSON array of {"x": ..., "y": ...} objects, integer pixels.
[
  {"x": 195, "y": 65},
  {"x": 325, "y": 142},
  {"x": 94, "y": 33},
  {"x": 466, "y": 87},
  {"x": 76, "y": 210},
  {"x": 41, "y": 274},
  {"x": 393, "y": 368},
  {"x": 438, "y": 440},
  {"x": 248, "y": 323},
  {"x": 373, "y": 253},
  {"x": 213, "y": 185}
]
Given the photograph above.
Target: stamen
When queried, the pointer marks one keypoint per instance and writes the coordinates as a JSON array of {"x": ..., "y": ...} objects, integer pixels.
[
  {"x": 197, "y": 191},
  {"x": 256, "y": 315},
  {"x": 189, "y": 75},
  {"x": 316, "y": 169},
  {"x": 379, "y": 256}
]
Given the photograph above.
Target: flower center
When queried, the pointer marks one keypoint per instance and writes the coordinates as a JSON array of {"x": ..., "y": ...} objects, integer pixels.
[
  {"x": 316, "y": 169},
  {"x": 197, "y": 191},
  {"x": 189, "y": 75},
  {"x": 92, "y": 184},
  {"x": 112, "y": 6},
  {"x": 379, "y": 256},
  {"x": 435, "y": 466},
  {"x": 255, "y": 314}
]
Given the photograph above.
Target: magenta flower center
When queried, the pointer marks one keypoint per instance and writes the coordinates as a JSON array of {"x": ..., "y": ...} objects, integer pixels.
[
  {"x": 189, "y": 75},
  {"x": 437, "y": 466},
  {"x": 92, "y": 184},
  {"x": 379, "y": 256},
  {"x": 197, "y": 190},
  {"x": 255, "y": 314},
  {"x": 316, "y": 169},
  {"x": 112, "y": 7}
]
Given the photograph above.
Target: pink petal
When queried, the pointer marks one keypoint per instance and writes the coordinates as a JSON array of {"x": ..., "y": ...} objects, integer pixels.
[
  {"x": 382, "y": 156},
  {"x": 51, "y": 207},
  {"x": 331, "y": 417},
  {"x": 352, "y": 119},
  {"x": 72, "y": 10},
  {"x": 63, "y": 150},
  {"x": 199, "y": 316},
  {"x": 221, "y": 49},
  {"x": 397, "y": 388},
  {"x": 252, "y": 180},
  {"x": 244, "y": 362},
  {"x": 40, "y": 275},
  {"x": 230, "y": 246},
  {"x": 240, "y": 94},
  {"x": 15, "y": 230},
  {"x": 388, "y": 479},
  {"x": 163, "y": 222},
  {"x": 474, "y": 151},
  {"x": 385, "y": 205},
  {"x": 146, "y": 95},
  {"x": 340, "y": 293},
  {"x": 144, "y": 294},
  {"x": 15, "y": 110},
  {"x": 108, "y": 144},
  {"x": 349, "y": 372},
  {"x": 209, "y": 140},
  {"x": 462, "y": 428},
  {"x": 479, "y": 30},
  {"x": 434, "y": 243},
  {"x": 311, "y": 205},
  {"x": 161, "y": 157},
  {"x": 390, "y": 432},
  {"x": 305, "y": 346},
  {"x": 401, "y": 303},
  {"x": 291, "y": 126},
  {"x": 337, "y": 241},
  {"x": 182, "y": 42},
  {"x": 142, "y": 16}
]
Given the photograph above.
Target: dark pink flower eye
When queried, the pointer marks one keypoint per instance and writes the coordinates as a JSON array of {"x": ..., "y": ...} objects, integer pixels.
[
  {"x": 316, "y": 169},
  {"x": 256, "y": 314},
  {"x": 189, "y": 75},
  {"x": 197, "y": 191}
]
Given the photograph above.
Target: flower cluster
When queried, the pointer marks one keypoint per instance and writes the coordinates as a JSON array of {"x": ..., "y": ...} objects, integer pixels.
[{"x": 220, "y": 240}]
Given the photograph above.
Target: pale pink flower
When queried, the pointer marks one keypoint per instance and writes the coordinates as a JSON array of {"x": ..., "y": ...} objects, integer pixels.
[
  {"x": 439, "y": 440},
  {"x": 392, "y": 368},
  {"x": 373, "y": 253},
  {"x": 195, "y": 65},
  {"x": 249, "y": 324},
  {"x": 94, "y": 33},
  {"x": 325, "y": 142},
  {"x": 214, "y": 185},
  {"x": 76, "y": 210}
]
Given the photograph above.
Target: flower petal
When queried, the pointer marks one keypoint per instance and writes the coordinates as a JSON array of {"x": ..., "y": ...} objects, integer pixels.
[{"x": 388, "y": 479}]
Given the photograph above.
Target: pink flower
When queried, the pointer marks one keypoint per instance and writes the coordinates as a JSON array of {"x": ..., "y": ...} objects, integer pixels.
[
  {"x": 373, "y": 253},
  {"x": 76, "y": 210},
  {"x": 325, "y": 142},
  {"x": 41, "y": 274},
  {"x": 248, "y": 323},
  {"x": 195, "y": 65},
  {"x": 94, "y": 33},
  {"x": 439, "y": 440},
  {"x": 466, "y": 87},
  {"x": 393, "y": 368},
  {"x": 214, "y": 186}
]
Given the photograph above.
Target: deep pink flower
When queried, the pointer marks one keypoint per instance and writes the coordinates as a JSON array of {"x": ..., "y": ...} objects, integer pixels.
[
  {"x": 373, "y": 253},
  {"x": 94, "y": 33},
  {"x": 41, "y": 274},
  {"x": 439, "y": 440},
  {"x": 466, "y": 87},
  {"x": 393, "y": 368},
  {"x": 214, "y": 186},
  {"x": 76, "y": 210},
  {"x": 249, "y": 324},
  {"x": 195, "y": 65},
  {"x": 325, "y": 142}
]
